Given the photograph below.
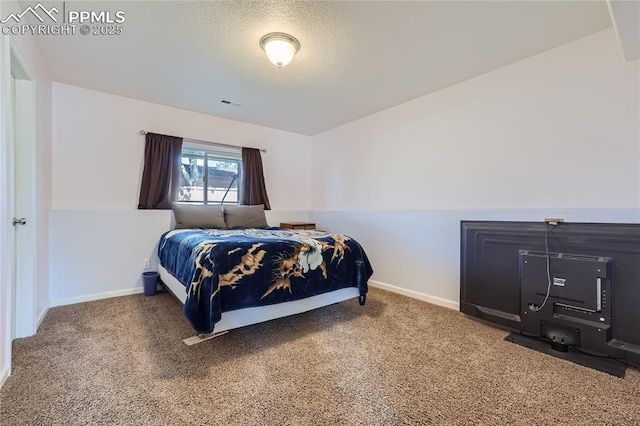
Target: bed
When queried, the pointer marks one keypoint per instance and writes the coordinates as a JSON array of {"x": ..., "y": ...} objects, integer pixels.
[{"x": 230, "y": 278}]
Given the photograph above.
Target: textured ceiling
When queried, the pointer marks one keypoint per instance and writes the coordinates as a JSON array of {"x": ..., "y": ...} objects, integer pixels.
[{"x": 356, "y": 58}]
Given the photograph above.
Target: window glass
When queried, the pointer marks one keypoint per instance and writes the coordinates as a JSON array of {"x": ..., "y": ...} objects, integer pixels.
[{"x": 218, "y": 183}]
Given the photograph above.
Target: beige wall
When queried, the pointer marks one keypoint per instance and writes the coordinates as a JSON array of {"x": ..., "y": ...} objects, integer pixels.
[
  {"x": 554, "y": 135},
  {"x": 97, "y": 230}
]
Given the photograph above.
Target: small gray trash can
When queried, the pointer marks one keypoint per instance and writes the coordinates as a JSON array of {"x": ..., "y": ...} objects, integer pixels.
[{"x": 150, "y": 281}]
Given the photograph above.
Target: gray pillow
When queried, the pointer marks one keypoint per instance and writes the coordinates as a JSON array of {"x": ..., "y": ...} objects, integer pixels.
[
  {"x": 189, "y": 216},
  {"x": 245, "y": 216}
]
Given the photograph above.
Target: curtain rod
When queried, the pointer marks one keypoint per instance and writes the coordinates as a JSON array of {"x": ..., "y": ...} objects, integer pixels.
[{"x": 144, "y": 132}]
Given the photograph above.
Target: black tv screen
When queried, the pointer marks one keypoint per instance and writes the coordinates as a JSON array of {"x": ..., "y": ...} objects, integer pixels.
[{"x": 572, "y": 283}]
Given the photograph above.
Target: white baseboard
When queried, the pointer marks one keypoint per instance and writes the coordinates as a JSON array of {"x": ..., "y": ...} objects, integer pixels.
[
  {"x": 376, "y": 284},
  {"x": 416, "y": 295},
  {"x": 96, "y": 296},
  {"x": 41, "y": 317},
  {"x": 4, "y": 375}
]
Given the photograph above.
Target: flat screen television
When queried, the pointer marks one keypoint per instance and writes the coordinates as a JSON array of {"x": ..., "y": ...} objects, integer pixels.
[{"x": 573, "y": 284}]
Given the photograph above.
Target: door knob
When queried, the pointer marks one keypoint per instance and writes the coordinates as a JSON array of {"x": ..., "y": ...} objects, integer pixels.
[{"x": 21, "y": 221}]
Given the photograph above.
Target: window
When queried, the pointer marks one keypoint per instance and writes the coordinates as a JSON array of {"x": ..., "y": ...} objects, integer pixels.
[{"x": 217, "y": 183}]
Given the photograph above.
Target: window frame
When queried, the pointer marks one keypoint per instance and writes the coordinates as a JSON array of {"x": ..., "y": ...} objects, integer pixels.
[{"x": 212, "y": 153}]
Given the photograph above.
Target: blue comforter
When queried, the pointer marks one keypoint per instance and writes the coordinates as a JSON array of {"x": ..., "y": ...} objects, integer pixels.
[{"x": 224, "y": 270}]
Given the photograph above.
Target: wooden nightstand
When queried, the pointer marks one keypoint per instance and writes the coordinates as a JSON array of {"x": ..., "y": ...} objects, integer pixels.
[{"x": 298, "y": 225}]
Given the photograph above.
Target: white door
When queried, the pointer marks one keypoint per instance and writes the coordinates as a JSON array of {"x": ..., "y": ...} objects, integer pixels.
[
  {"x": 12, "y": 202},
  {"x": 22, "y": 198}
]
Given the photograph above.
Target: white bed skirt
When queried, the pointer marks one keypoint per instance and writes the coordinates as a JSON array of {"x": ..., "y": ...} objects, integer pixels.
[{"x": 248, "y": 316}]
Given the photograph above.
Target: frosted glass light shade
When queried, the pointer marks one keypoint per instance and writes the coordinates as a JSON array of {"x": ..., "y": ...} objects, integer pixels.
[{"x": 280, "y": 48}]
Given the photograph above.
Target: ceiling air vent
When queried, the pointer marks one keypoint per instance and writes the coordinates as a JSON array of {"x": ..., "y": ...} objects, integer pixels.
[{"x": 228, "y": 102}]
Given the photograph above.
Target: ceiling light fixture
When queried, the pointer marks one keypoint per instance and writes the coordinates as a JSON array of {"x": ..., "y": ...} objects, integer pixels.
[{"x": 279, "y": 47}]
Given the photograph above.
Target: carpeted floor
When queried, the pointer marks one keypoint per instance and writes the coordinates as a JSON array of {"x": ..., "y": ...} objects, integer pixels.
[{"x": 395, "y": 361}]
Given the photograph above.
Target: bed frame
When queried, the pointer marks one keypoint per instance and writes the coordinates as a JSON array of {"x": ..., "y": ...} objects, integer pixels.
[{"x": 248, "y": 316}]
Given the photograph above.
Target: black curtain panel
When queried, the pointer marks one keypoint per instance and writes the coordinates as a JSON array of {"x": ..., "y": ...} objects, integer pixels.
[
  {"x": 161, "y": 173},
  {"x": 254, "y": 190}
]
